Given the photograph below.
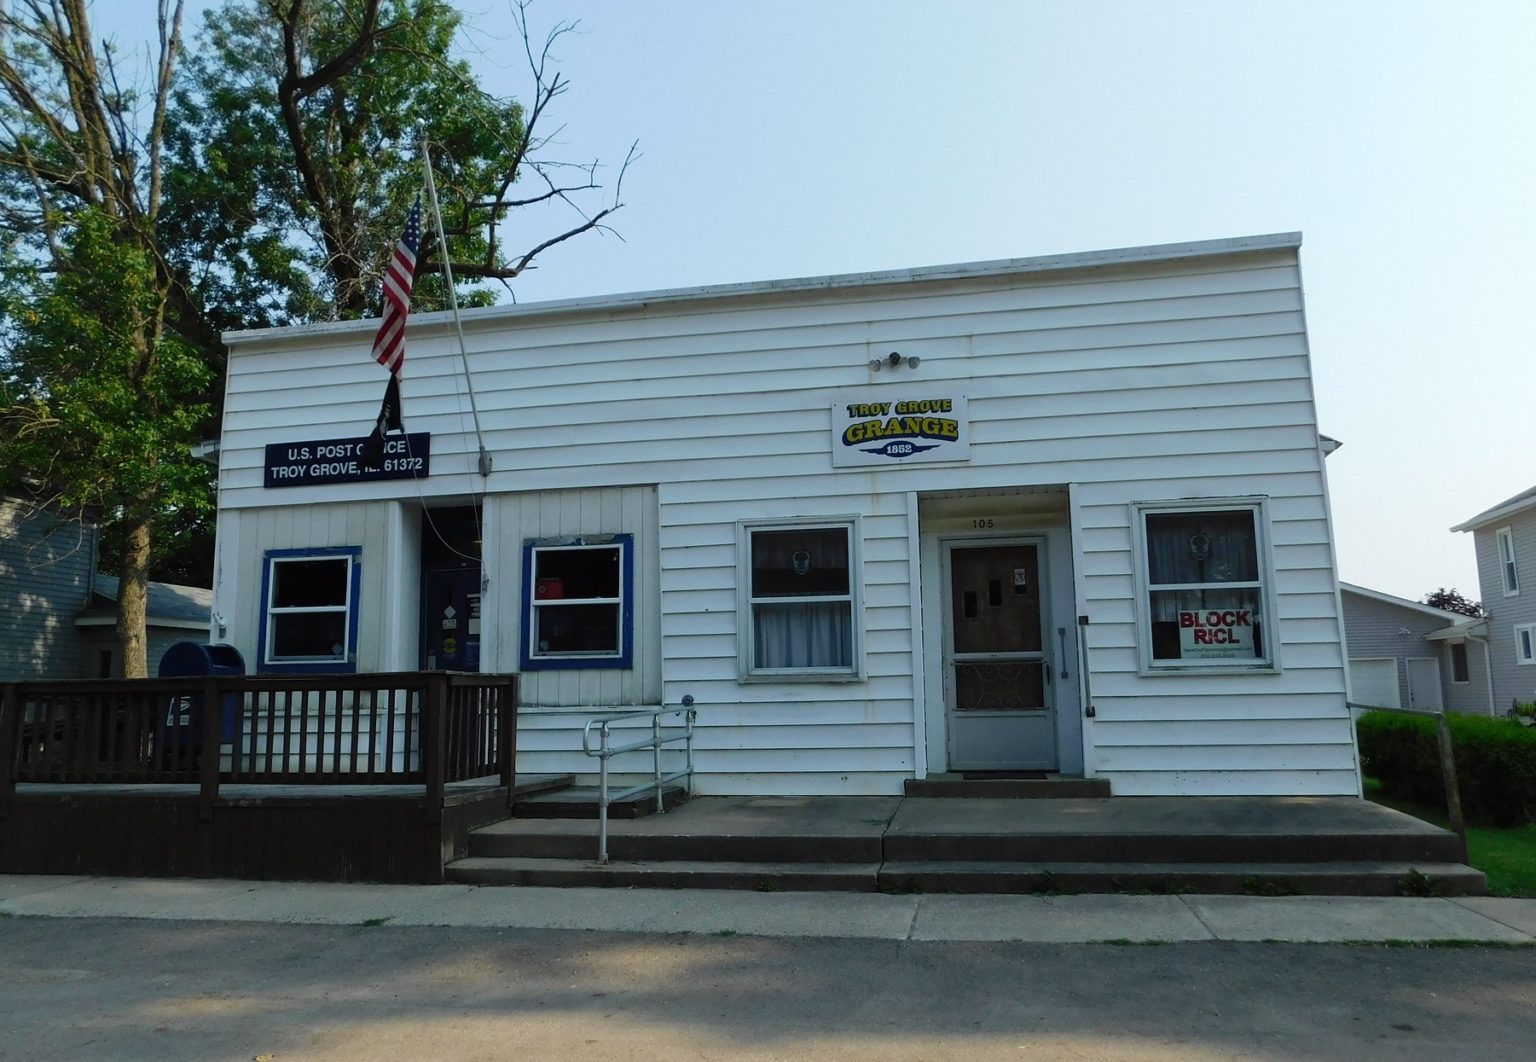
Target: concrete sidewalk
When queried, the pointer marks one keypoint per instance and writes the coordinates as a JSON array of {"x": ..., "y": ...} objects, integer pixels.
[{"x": 1036, "y": 919}]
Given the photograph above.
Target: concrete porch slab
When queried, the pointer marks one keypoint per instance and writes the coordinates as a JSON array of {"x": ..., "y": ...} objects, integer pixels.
[
  {"x": 1163, "y": 816},
  {"x": 1164, "y": 830}
]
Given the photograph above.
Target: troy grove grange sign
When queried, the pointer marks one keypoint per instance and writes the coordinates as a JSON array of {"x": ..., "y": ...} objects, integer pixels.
[
  {"x": 321, "y": 461},
  {"x": 887, "y": 428}
]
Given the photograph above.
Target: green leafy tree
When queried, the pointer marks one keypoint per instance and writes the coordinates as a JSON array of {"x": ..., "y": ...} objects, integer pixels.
[
  {"x": 102, "y": 422},
  {"x": 294, "y": 148},
  {"x": 265, "y": 183},
  {"x": 100, "y": 375}
]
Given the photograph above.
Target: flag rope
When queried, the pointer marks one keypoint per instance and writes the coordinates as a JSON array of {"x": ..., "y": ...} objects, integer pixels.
[{"x": 453, "y": 304}]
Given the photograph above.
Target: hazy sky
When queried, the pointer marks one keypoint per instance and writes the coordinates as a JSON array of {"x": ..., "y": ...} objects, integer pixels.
[{"x": 802, "y": 138}]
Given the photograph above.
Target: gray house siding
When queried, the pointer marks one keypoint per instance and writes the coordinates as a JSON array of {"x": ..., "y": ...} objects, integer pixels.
[
  {"x": 1512, "y": 681},
  {"x": 1378, "y": 629},
  {"x": 45, "y": 580}
]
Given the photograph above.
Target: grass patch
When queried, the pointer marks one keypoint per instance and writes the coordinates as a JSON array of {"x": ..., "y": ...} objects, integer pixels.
[
  {"x": 1506, "y": 854},
  {"x": 370, "y": 922}
]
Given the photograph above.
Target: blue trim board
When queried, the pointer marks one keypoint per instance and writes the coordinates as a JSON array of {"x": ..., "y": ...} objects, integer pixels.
[
  {"x": 625, "y": 659},
  {"x": 321, "y": 667}
]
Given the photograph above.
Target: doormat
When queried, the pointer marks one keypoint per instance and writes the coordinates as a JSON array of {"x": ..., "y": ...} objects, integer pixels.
[{"x": 988, "y": 776}]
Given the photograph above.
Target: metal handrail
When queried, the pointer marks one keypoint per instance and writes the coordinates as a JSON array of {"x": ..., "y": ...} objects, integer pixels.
[
  {"x": 606, "y": 751},
  {"x": 1447, "y": 764}
]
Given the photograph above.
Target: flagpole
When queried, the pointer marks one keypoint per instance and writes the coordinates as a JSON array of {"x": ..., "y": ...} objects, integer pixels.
[{"x": 453, "y": 303}]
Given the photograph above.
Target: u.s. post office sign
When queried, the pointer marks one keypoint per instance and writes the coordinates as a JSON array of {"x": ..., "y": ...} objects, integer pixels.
[{"x": 879, "y": 427}]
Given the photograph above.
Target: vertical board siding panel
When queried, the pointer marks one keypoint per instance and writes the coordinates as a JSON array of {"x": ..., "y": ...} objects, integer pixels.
[{"x": 595, "y": 511}]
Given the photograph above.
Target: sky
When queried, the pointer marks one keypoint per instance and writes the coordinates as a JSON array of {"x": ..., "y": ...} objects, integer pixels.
[{"x": 793, "y": 138}]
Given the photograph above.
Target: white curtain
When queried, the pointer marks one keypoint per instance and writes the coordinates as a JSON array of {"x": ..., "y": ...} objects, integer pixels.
[
  {"x": 1211, "y": 547},
  {"x": 803, "y": 634}
]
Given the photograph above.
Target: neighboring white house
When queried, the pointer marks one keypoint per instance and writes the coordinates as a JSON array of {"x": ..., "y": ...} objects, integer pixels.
[
  {"x": 1064, "y": 514},
  {"x": 1505, "y": 539},
  {"x": 1405, "y": 654}
]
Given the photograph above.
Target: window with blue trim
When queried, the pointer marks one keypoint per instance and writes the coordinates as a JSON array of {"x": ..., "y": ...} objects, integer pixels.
[
  {"x": 309, "y": 609},
  {"x": 578, "y": 602}
]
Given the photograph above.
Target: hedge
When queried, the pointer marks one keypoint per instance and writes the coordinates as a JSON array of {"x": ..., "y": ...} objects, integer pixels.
[{"x": 1495, "y": 763}]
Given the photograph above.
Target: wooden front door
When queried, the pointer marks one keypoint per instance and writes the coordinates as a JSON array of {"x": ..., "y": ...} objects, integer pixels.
[{"x": 997, "y": 672}]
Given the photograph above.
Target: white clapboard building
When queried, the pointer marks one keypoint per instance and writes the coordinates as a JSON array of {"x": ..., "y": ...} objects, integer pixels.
[{"x": 1063, "y": 514}]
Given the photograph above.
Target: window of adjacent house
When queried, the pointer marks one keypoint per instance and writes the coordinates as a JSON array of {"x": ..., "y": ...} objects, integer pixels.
[
  {"x": 578, "y": 598},
  {"x": 799, "y": 586},
  {"x": 1525, "y": 644},
  {"x": 309, "y": 610},
  {"x": 1205, "y": 602},
  {"x": 1459, "y": 671},
  {"x": 1506, "y": 541}
]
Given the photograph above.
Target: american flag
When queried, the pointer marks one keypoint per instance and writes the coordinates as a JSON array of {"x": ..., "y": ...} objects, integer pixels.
[{"x": 389, "y": 344}]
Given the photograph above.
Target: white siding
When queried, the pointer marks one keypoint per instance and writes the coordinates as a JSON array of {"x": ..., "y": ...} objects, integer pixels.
[
  {"x": 361, "y": 524},
  {"x": 1513, "y": 682},
  {"x": 564, "y": 514},
  {"x": 1182, "y": 376}
]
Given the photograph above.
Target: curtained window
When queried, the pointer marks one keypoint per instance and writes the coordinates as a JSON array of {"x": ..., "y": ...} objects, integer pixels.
[
  {"x": 800, "y": 599},
  {"x": 1205, "y": 589}
]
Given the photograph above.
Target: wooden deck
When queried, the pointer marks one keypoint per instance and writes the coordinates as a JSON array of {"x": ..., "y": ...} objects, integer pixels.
[{"x": 318, "y": 777}]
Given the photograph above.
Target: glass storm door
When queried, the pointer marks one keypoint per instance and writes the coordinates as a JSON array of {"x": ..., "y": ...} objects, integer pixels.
[{"x": 997, "y": 676}]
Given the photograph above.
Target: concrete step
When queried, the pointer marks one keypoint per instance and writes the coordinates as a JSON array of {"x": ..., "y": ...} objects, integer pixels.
[
  {"x": 956, "y": 786},
  {"x": 580, "y": 802},
  {"x": 569, "y": 839},
  {"x": 1256, "y": 879},
  {"x": 1020, "y": 847},
  {"x": 677, "y": 874},
  {"x": 565, "y": 838},
  {"x": 531, "y": 784}
]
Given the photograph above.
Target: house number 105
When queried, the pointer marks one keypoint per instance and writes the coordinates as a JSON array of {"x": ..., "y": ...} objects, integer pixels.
[{"x": 983, "y": 521}]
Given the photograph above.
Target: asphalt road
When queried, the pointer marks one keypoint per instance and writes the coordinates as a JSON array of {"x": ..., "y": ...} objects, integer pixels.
[{"x": 120, "y": 989}]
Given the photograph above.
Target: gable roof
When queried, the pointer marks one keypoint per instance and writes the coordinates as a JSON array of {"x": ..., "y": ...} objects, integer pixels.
[
  {"x": 168, "y": 602},
  {"x": 1456, "y": 618},
  {"x": 1508, "y": 507}
]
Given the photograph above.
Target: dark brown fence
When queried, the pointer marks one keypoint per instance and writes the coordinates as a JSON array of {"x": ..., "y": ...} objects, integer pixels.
[{"x": 416, "y": 728}]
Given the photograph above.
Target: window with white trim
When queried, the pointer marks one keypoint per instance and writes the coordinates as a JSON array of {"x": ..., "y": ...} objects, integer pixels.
[
  {"x": 799, "y": 585},
  {"x": 1525, "y": 644},
  {"x": 578, "y": 597},
  {"x": 1505, "y": 538},
  {"x": 1204, "y": 595},
  {"x": 309, "y": 609}
]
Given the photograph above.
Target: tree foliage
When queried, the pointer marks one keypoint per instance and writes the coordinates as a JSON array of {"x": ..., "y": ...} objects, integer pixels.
[
  {"x": 295, "y": 156},
  {"x": 1452, "y": 601},
  {"x": 99, "y": 388},
  {"x": 264, "y": 182}
]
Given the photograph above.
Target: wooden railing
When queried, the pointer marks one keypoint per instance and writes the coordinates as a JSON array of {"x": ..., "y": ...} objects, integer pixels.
[{"x": 428, "y": 728}]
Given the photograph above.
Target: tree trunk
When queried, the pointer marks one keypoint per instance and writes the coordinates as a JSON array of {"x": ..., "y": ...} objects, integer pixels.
[{"x": 133, "y": 600}]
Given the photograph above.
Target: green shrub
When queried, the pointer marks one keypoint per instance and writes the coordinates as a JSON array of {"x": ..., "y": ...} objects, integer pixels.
[{"x": 1495, "y": 763}]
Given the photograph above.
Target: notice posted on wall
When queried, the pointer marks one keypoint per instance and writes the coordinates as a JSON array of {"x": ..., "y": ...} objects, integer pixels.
[
  {"x": 323, "y": 461},
  {"x": 1216, "y": 634}
]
